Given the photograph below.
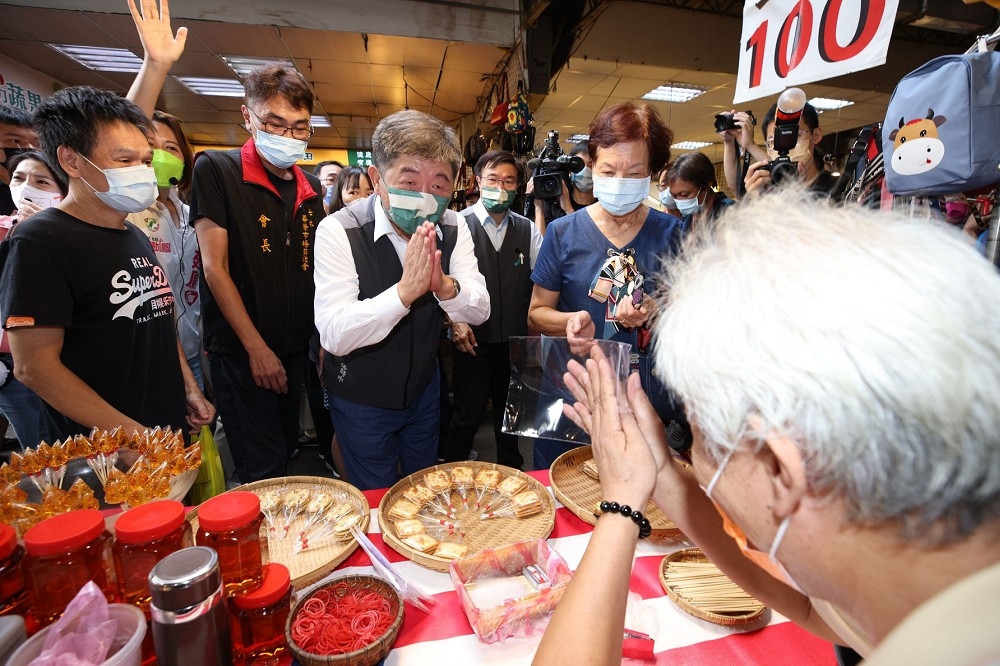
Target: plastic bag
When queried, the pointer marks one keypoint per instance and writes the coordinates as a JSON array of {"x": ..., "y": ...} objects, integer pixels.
[
  {"x": 511, "y": 590},
  {"x": 537, "y": 391},
  {"x": 84, "y": 633},
  {"x": 211, "y": 480}
]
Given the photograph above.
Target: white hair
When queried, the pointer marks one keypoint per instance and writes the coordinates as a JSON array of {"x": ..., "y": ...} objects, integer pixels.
[{"x": 871, "y": 340}]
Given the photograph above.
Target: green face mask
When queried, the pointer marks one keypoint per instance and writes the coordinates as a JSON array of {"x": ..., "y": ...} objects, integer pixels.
[
  {"x": 496, "y": 200},
  {"x": 408, "y": 209},
  {"x": 169, "y": 168}
]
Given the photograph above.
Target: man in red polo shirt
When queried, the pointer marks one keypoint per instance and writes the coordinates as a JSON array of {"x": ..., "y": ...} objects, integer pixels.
[{"x": 255, "y": 214}]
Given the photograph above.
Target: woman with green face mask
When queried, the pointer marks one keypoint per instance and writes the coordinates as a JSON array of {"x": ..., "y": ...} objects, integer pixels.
[{"x": 166, "y": 225}]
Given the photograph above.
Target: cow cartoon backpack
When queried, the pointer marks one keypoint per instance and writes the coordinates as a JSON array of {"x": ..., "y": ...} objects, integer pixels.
[{"x": 942, "y": 130}]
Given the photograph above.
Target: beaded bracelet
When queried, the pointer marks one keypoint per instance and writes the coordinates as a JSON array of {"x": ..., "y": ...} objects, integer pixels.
[{"x": 645, "y": 529}]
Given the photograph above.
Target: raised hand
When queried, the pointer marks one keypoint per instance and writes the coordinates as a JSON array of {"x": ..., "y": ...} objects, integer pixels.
[{"x": 158, "y": 41}]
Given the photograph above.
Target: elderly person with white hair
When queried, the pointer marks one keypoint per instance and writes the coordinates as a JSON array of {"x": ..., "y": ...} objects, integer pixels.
[{"x": 843, "y": 386}]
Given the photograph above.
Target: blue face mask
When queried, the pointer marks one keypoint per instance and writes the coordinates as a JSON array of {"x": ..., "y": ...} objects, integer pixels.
[
  {"x": 408, "y": 209},
  {"x": 584, "y": 179},
  {"x": 328, "y": 196},
  {"x": 281, "y": 151},
  {"x": 667, "y": 199},
  {"x": 621, "y": 196},
  {"x": 689, "y": 206}
]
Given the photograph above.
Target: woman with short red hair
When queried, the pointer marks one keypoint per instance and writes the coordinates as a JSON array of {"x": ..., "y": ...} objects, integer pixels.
[{"x": 597, "y": 265}]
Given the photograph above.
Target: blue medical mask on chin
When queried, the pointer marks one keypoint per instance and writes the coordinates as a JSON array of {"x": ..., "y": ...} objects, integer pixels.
[
  {"x": 281, "y": 151},
  {"x": 621, "y": 196},
  {"x": 583, "y": 179},
  {"x": 409, "y": 209},
  {"x": 130, "y": 189},
  {"x": 689, "y": 206},
  {"x": 667, "y": 199}
]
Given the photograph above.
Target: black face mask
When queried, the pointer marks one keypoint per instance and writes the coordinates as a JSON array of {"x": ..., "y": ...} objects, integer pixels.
[{"x": 10, "y": 153}]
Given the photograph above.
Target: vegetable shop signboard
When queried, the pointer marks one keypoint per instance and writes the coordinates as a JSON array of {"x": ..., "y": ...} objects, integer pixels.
[{"x": 791, "y": 42}]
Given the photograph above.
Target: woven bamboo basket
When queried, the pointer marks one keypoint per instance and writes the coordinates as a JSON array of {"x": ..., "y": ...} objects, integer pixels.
[
  {"x": 581, "y": 494},
  {"x": 753, "y": 611},
  {"x": 367, "y": 656},
  {"x": 479, "y": 534},
  {"x": 308, "y": 566}
]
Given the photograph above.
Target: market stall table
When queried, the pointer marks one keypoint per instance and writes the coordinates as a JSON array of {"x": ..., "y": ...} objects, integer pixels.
[{"x": 445, "y": 637}]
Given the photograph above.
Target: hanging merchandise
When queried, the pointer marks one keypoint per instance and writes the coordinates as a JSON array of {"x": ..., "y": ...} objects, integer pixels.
[
  {"x": 475, "y": 148},
  {"x": 499, "y": 115},
  {"x": 942, "y": 126},
  {"x": 518, "y": 111}
]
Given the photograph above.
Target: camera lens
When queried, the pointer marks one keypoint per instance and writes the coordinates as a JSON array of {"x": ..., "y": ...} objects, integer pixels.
[
  {"x": 548, "y": 185},
  {"x": 783, "y": 171}
]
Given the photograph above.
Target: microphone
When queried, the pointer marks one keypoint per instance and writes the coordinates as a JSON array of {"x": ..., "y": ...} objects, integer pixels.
[{"x": 173, "y": 181}]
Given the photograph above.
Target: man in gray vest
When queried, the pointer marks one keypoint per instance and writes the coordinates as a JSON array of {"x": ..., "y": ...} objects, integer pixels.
[
  {"x": 388, "y": 268},
  {"x": 506, "y": 247}
]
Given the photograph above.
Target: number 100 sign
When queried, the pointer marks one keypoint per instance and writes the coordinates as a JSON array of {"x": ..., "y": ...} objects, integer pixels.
[{"x": 790, "y": 42}]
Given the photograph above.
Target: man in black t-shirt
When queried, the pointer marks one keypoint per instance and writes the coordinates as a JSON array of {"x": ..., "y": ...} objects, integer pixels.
[
  {"x": 86, "y": 305},
  {"x": 255, "y": 214}
]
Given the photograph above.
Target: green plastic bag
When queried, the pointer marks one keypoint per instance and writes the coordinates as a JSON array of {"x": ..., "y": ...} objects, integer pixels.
[{"x": 211, "y": 479}]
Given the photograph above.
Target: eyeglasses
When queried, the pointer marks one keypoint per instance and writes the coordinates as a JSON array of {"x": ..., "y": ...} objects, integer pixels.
[
  {"x": 299, "y": 133},
  {"x": 493, "y": 181},
  {"x": 802, "y": 134}
]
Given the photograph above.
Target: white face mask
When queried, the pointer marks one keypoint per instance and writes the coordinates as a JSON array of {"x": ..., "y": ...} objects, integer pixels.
[
  {"x": 281, "y": 151},
  {"x": 40, "y": 198},
  {"x": 130, "y": 189},
  {"x": 583, "y": 179},
  {"x": 620, "y": 196}
]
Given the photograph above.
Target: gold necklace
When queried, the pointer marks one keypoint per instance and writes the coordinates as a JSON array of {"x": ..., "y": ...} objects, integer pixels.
[{"x": 623, "y": 229}]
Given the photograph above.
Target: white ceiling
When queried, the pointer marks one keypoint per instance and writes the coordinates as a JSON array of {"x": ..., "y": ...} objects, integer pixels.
[{"x": 436, "y": 60}]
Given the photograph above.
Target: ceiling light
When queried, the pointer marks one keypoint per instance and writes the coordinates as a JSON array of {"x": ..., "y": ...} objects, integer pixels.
[
  {"x": 579, "y": 137},
  {"x": 319, "y": 121},
  {"x": 213, "y": 87},
  {"x": 243, "y": 65},
  {"x": 100, "y": 58},
  {"x": 691, "y": 145},
  {"x": 827, "y": 104},
  {"x": 675, "y": 92}
]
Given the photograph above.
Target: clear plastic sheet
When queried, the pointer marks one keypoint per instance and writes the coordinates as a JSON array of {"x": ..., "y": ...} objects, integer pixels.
[{"x": 537, "y": 391}]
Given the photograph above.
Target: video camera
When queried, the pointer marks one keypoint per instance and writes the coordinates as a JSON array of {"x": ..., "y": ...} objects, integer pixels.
[
  {"x": 552, "y": 167},
  {"x": 786, "y": 135}
]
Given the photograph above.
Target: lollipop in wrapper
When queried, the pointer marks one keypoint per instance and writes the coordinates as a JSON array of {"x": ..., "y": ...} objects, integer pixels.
[
  {"x": 462, "y": 480},
  {"x": 270, "y": 506},
  {"x": 292, "y": 504}
]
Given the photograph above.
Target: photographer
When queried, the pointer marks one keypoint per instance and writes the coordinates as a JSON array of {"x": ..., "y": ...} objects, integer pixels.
[
  {"x": 804, "y": 155},
  {"x": 736, "y": 130},
  {"x": 577, "y": 191}
]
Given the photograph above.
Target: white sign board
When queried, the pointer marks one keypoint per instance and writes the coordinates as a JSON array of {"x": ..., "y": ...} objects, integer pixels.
[
  {"x": 791, "y": 42},
  {"x": 22, "y": 87}
]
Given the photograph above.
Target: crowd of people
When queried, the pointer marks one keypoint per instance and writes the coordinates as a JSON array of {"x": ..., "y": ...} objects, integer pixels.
[{"x": 839, "y": 399}]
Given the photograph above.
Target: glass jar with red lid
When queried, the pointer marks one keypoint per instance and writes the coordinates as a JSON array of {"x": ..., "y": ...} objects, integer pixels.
[
  {"x": 259, "y": 616},
  {"x": 145, "y": 535},
  {"x": 233, "y": 525},
  {"x": 63, "y": 553},
  {"x": 13, "y": 598}
]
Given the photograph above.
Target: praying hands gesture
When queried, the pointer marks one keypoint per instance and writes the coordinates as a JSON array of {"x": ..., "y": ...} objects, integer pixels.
[
  {"x": 629, "y": 464},
  {"x": 421, "y": 265}
]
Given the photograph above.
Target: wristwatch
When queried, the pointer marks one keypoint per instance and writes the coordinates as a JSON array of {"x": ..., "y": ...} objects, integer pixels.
[{"x": 458, "y": 289}]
